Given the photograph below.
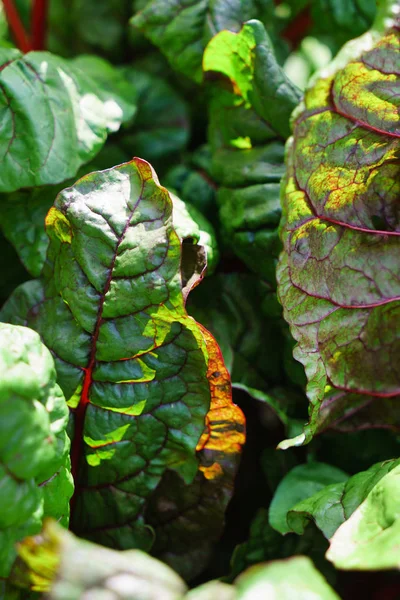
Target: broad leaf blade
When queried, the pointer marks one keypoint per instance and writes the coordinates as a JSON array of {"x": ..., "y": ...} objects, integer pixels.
[
  {"x": 251, "y": 102},
  {"x": 302, "y": 482},
  {"x": 284, "y": 579},
  {"x": 334, "y": 504},
  {"x": 35, "y": 479},
  {"x": 193, "y": 516},
  {"x": 369, "y": 539},
  {"x": 67, "y": 567},
  {"x": 40, "y": 88},
  {"x": 132, "y": 363},
  {"x": 181, "y": 29},
  {"x": 338, "y": 274}
]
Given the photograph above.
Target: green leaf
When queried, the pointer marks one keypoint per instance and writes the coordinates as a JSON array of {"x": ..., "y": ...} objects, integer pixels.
[
  {"x": 182, "y": 28},
  {"x": 193, "y": 182},
  {"x": 334, "y": 504},
  {"x": 133, "y": 365},
  {"x": 34, "y": 473},
  {"x": 55, "y": 118},
  {"x": 341, "y": 232},
  {"x": 369, "y": 539},
  {"x": 194, "y": 229},
  {"x": 193, "y": 515},
  {"x": 302, "y": 482},
  {"x": 161, "y": 126},
  {"x": 67, "y": 567},
  {"x": 284, "y": 579},
  {"x": 242, "y": 312},
  {"x": 251, "y": 103}
]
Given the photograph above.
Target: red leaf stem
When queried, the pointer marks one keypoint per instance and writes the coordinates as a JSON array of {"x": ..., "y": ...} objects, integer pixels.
[
  {"x": 17, "y": 28},
  {"x": 39, "y": 24}
]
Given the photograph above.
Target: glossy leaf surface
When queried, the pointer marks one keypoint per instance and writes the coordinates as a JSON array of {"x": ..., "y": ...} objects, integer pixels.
[
  {"x": 133, "y": 365},
  {"x": 34, "y": 475},
  {"x": 54, "y": 118},
  {"x": 251, "y": 102},
  {"x": 338, "y": 275},
  {"x": 182, "y": 28}
]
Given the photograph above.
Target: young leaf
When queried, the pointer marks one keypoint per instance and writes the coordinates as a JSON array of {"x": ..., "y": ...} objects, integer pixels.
[
  {"x": 34, "y": 476},
  {"x": 132, "y": 364},
  {"x": 251, "y": 103},
  {"x": 182, "y": 28},
  {"x": 55, "y": 118},
  {"x": 369, "y": 539},
  {"x": 338, "y": 278},
  {"x": 302, "y": 482}
]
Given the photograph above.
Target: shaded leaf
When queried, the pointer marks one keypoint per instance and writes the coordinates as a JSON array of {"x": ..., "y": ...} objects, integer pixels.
[
  {"x": 161, "y": 126},
  {"x": 34, "y": 472},
  {"x": 182, "y": 28},
  {"x": 188, "y": 519},
  {"x": 334, "y": 504},
  {"x": 302, "y": 482}
]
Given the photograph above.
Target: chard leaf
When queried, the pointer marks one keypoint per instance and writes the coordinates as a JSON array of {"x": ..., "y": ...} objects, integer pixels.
[
  {"x": 369, "y": 539},
  {"x": 35, "y": 480},
  {"x": 193, "y": 182},
  {"x": 284, "y": 579},
  {"x": 132, "y": 364},
  {"x": 67, "y": 567},
  {"x": 193, "y": 516},
  {"x": 161, "y": 126},
  {"x": 55, "y": 118},
  {"x": 338, "y": 275},
  {"x": 335, "y": 503},
  {"x": 302, "y": 482},
  {"x": 251, "y": 103},
  {"x": 182, "y": 28},
  {"x": 242, "y": 312}
]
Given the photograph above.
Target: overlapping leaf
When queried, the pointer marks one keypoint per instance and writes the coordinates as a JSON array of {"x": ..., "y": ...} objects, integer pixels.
[
  {"x": 334, "y": 504},
  {"x": 188, "y": 519},
  {"x": 249, "y": 121},
  {"x": 34, "y": 462},
  {"x": 338, "y": 275},
  {"x": 132, "y": 364},
  {"x": 54, "y": 118},
  {"x": 369, "y": 539},
  {"x": 182, "y": 28}
]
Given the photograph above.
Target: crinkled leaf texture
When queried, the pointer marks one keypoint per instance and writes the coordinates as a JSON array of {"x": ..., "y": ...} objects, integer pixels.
[
  {"x": 251, "y": 102},
  {"x": 370, "y": 538},
  {"x": 182, "y": 28},
  {"x": 55, "y": 117},
  {"x": 339, "y": 272},
  {"x": 134, "y": 367},
  {"x": 35, "y": 479}
]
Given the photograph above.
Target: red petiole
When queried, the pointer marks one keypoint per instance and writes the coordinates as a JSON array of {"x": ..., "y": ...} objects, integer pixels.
[{"x": 24, "y": 41}]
